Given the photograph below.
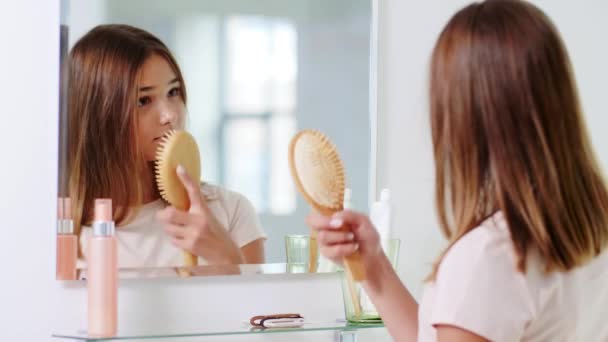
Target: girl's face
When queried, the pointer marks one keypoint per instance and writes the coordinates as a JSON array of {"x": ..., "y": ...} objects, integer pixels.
[{"x": 160, "y": 106}]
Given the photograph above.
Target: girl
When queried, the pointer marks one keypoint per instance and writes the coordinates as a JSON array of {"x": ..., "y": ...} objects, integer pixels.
[
  {"x": 125, "y": 92},
  {"x": 519, "y": 194}
]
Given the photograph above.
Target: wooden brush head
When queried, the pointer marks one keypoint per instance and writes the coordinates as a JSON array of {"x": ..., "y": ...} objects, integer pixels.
[
  {"x": 318, "y": 173},
  {"x": 176, "y": 148},
  {"x": 317, "y": 170}
]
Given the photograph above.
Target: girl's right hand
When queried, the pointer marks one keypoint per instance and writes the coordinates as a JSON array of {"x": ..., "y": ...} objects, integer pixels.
[{"x": 336, "y": 243}]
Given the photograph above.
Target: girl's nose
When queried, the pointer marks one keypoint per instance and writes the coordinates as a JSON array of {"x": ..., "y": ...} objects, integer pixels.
[{"x": 168, "y": 115}]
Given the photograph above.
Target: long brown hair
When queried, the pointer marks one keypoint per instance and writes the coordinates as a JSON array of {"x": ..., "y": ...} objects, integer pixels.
[
  {"x": 508, "y": 135},
  {"x": 104, "y": 159}
]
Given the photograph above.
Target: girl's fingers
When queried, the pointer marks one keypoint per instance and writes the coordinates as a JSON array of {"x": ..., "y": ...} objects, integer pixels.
[
  {"x": 339, "y": 251},
  {"x": 331, "y": 237},
  {"x": 171, "y": 215},
  {"x": 176, "y": 231},
  {"x": 318, "y": 222},
  {"x": 197, "y": 204}
]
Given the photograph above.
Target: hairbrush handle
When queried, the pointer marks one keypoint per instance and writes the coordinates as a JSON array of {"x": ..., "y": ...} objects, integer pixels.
[
  {"x": 313, "y": 251},
  {"x": 355, "y": 272},
  {"x": 189, "y": 259},
  {"x": 353, "y": 264}
]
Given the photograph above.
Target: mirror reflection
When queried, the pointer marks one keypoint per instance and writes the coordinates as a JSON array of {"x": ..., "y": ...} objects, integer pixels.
[{"x": 241, "y": 78}]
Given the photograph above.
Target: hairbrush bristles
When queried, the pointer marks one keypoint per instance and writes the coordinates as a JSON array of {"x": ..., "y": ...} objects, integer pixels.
[
  {"x": 176, "y": 148},
  {"x": 318, "y": 170},
  {"x": 160, "y": 163}
]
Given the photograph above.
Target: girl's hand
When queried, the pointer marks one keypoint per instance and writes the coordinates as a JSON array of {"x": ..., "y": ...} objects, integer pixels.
[
  {"x": 336, "y": 243},
  {"x": 197, "y": 230}
]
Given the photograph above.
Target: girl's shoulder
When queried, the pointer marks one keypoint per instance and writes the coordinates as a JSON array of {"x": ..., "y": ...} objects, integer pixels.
[
  {"x": 492, "y": 236},
  {"x": 487, "y": 250},
  {"x": 478, "y": 278},
  {"x": 490, "y": 245}
]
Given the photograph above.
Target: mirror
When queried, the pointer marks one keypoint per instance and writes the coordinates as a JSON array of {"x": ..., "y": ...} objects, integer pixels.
[{"x": 256, "y": 72}]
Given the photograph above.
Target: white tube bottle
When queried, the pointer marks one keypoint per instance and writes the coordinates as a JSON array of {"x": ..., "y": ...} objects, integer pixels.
[{"x": 381, "y": 218}]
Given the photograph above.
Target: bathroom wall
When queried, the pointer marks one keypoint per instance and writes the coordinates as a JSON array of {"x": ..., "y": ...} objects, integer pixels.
[
  {"x": 28, "y": 93},
  {"x": 29, "y": 32}
]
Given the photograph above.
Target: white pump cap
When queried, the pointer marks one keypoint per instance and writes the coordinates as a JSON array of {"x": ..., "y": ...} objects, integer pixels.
[
  {"x": 380, "y": 214},
  {"x": 348, "y": 194},
  {"x": 385, "y": 195}
]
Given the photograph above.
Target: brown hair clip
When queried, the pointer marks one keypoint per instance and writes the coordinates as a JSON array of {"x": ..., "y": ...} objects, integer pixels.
[{"x": 258, "y": 321}]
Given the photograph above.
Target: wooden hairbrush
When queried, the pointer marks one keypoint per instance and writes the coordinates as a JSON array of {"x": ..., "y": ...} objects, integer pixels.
[
  {"x": 177, "y": 148},
  {"x": 318, "y": 172}
]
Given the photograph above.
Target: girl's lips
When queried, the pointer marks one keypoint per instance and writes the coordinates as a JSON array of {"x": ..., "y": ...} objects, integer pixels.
[{"x": 160, "y": 137}]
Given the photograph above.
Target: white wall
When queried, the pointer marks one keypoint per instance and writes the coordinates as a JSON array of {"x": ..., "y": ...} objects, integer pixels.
[
  {"x": 28, "y": 177},
  {"x": 407, "y": 33},
  {"x": 28, "y": 66}
]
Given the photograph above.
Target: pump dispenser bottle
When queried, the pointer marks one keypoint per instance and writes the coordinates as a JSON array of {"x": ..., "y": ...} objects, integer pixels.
[
  {"x": 102, "y": 273},
  {"x": 67, "y": 242}
]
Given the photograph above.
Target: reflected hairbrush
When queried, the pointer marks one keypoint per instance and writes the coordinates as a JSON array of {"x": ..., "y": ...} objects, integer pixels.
[{"x": 177, "y": 148}]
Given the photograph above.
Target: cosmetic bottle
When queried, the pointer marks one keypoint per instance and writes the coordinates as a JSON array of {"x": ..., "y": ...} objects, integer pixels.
[
  {"x": 67, "y": 241},
  {"x": 102, "y": 273}
]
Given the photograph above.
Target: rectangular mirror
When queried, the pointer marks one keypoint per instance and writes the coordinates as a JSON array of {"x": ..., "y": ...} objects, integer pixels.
[{"x": 256, "y": 72}]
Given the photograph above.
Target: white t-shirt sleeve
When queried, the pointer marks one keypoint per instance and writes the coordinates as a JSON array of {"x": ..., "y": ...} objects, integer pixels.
[
  {"x": 244, "y": 226},
  {"x": 479, "y": 289}
]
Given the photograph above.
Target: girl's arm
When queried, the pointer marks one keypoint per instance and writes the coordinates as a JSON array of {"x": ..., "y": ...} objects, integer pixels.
[
  {"x": 253, "y": 252},
  {"x": 397, "y": 307}
]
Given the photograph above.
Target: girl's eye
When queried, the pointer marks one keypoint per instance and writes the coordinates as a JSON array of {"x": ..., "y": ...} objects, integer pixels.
[
  {"x": 144, "y": 100},
  {"x": 174, "y": 92}
]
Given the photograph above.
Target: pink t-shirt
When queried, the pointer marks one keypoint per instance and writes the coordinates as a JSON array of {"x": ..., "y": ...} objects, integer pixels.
[{"x": 479, "y": 289}]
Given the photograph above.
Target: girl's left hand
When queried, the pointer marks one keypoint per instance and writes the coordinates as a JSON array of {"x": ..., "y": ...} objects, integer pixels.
[{"x": 197, "y": 230}]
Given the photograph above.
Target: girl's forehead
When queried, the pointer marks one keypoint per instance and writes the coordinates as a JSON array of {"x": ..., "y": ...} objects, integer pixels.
[{"x": 155, "y": 70}]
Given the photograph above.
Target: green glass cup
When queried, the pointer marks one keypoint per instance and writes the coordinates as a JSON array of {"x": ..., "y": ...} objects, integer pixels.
[
  {"x": 368, "y": 313},
  {"x": 297, "y": 251}
]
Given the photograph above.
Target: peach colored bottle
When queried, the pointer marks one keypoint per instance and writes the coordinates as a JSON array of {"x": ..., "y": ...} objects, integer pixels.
[
  {"x": 102, "y": 273},
  {"x": 67, "y": 242}
]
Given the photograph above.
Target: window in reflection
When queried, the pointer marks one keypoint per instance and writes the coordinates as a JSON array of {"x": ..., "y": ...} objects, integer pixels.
[{"x": 258, "y": 110}]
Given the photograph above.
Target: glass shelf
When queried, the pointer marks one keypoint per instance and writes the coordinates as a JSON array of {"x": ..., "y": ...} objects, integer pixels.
[
  {"x": 209, "y": 270},
  {"x": 242, "y": 329}
]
